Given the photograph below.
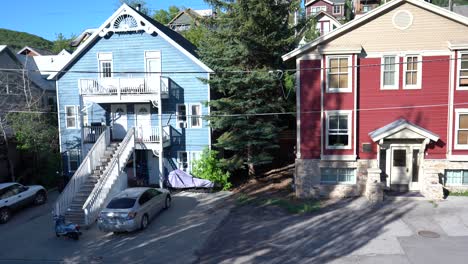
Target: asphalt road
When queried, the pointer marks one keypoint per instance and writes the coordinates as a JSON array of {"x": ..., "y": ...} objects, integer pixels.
[{"x": 174, "y": 236}]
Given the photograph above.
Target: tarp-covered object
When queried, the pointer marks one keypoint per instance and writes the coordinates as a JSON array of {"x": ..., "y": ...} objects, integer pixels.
[{"x": 179, "y": 179}]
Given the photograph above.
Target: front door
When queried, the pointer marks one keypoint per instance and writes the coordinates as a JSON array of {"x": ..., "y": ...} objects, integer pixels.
[
  {"x": 404, "y": 168},
  {"x": 143, "y": 122},
  {"x": 119, "y": 121}
]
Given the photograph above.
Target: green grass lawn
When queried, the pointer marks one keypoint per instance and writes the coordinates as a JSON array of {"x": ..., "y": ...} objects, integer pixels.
[{"x": 292, "y": 206}]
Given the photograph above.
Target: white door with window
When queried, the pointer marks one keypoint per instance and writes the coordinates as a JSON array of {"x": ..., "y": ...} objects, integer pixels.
[
  {"x": 404, "y": 168},
  {"x": 153, "y": 69},
  {"x": 119, "y": 121},
  {"x": 143, "y": 122}
]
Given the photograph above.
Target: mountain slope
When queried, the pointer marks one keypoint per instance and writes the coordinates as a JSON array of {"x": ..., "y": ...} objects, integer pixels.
[{"x": 17, "y": 40}]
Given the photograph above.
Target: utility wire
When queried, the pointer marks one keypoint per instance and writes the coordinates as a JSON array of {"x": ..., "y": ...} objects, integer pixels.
[
  {"x": 272, "y": 113},
  {"x": 235, "y": 71}
]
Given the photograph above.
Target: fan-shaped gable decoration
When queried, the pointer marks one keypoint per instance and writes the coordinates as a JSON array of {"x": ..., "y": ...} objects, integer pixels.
[{"x": 125, "y": 22}]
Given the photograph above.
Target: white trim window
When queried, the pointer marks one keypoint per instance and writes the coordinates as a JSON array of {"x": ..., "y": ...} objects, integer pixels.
[
  {"x": 389, "y": 72},
  {"x": 316, "y": 9},
  {"x": 105, "y": 65},
  {"x": 195, "y": 116},
  {"x": 461, "y": 129},
  {"x": 71, "y": 116},
  {"x": 456, "y": 177},
  {"x": 73, "y": 159},
  {"x": 339, "y": 74},
  {"x": 337, "y": 175},
  {"x": 366, "y": 8},
  {"x": 186, "y": 159},
  {"x": 337, "y": 9},
  {"x": 181, "y": 115},
  {"x": 412, "y": 72},
  {"x": 338, "y": 129},
  {"x": 463, "y": 72}
]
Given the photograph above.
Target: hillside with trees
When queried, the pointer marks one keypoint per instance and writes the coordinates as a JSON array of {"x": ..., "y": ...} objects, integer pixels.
[{"x": 17, "y": 40}]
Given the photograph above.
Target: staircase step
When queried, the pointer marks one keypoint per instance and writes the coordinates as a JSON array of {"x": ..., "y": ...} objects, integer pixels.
[{"x": 105, "y": 160}]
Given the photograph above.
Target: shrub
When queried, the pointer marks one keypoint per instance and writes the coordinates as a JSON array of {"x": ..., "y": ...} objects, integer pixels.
[{"x": 209, "y": 168}]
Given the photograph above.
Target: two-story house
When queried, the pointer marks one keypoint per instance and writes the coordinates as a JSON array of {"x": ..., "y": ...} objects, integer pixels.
[
  {"x": 326, "y": 13},
  {"x": 187, "y": 18},
  {"x": 384, "y": 92},
  {"x": 130, "y": 107}
]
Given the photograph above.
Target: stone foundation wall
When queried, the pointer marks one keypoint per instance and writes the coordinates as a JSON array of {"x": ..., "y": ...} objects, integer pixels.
[
  {"x": 307, "y": 178},
  {"x": 439, "y": 167}
]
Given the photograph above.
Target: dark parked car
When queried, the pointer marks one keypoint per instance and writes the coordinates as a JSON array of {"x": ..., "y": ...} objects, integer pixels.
[{"x": 14, "y": 196}]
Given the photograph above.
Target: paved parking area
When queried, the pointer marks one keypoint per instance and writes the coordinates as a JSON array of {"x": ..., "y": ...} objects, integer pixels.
[
  {"x": 349, "y": 231},
  {"x": 172, "y": 237}
]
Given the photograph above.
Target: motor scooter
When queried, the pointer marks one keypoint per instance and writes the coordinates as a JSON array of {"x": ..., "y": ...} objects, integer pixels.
[{"x": 63, "y": 229}]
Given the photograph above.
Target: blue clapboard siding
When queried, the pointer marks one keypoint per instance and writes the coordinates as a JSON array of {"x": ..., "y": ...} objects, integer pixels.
[{"x": 128, "y": 56}]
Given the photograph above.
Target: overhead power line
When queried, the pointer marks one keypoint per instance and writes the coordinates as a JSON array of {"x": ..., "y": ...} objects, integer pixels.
[
  {"x": 233, "y": 71},
  {"x": 274, "y": 113}
]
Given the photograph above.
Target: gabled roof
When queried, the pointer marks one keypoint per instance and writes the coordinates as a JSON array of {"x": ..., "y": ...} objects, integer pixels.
[
  {"x": 370, "y": 16},
  {"x": 323, "y": 13},
  {"x": 169, "y": 35},
  {"x": 192, "y": 13},
  {"x": 327, "y": 1},
  {"x": 39, "y": 52},
  {"x": 398, "y": 126}
]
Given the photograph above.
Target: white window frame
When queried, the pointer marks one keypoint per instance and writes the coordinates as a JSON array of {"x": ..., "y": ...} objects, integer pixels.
[
  {"x": 397, "y": 73},
  {"x": 318, "y": 8},
  {"x": 369, "y": 8},
  {"x": 181, "y": 123},
  {"x": 459, "y": 61},
  {"x": 419, "y": 73},
  {"x": 339, "y": 8},
  {"x": 77, "y": 155},
  {"x": 190, "y": 159},
  {"x": 336, "y": 182},
  {"x": 104, "y": 57},
  {"x": 458, "y": 112},
  {"x": 74, "y": 117},
  {"x": 349, "y": 89},
  {"x": 350, "y": 128},
  {"x": 191, "y": 115},
  {"x": 447, "y": 183}
]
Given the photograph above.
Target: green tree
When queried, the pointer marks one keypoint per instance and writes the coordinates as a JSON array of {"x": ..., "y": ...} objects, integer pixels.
[
  {"x": 209, "y": 168},
  {"x": 349, "y": 14},
  {"x": 61, "y": 43},
  {"x": 164, "y": 17},
  {"x": 245, "y": 47},
  {"x": 195, "y": 34}
]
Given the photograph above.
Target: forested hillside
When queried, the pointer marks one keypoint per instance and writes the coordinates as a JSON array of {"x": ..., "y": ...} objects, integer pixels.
[{"x": 17, "y": 40}]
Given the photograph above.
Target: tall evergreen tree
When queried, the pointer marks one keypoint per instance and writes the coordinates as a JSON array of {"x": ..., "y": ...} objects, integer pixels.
[{"x": 244, "y": 48}]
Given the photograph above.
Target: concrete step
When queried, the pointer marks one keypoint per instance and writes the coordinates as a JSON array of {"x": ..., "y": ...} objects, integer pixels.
[
  {"x": 104, "y": 160},
  {"x": 109, "y": 152}
]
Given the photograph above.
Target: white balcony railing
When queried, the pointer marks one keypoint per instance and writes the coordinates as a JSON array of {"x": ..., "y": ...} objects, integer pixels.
[
  {"x": 92, "y": 133},
  {"x": 152, "y": 135},
  {"x": 124, "y": 86}
]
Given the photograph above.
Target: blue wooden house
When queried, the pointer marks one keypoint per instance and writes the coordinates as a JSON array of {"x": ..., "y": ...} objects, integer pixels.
[{"x": 131, "y": 107}]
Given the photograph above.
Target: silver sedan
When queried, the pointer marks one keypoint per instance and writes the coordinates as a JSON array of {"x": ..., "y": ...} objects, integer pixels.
[{"x": 133, "y": 209}]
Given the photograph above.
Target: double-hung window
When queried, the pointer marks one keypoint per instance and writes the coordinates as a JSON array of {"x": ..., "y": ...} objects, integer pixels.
[
  {"x": 461, "y": 126},
  {"x": 412, "y": 73},
  {"x": 105, "y": 65},
  {"x": 338, "y": 175},
  {"x": 337, "y": 9},
  {"x": 195, "y": 116},
  {"x": 182, "y": 115},
  {"x": 338, "y": 130},
  {"x": 339, "y": 74},
  {"x": 316, "y": 9},
  {"x": 73, "y": 160},
  {"x": 463, "y": 74},
  {"x": 182, "y": 160},
  {"x": 366, "y": 8},
  {"x": 71, "y": 116},
  {"x": 389, "y": 78}
]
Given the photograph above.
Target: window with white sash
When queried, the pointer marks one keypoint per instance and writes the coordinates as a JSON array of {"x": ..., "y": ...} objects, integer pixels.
[
  {"x": 339, "y": 74},
  {"x": 389, "y": 72},
  {"x": 412, "y": 72},
  {"x": 71, "y": 116},
  {"x": 461, "y": 129},
  {"x": 195, "y": 116},
  {"x": 456, "y": 177},
  {"x": 338, "y": 129},
  {"x": 338, "y": 175},
  {"x": 186, "y": 159},
  {"x": 463, "y": 72},
  {"x": 105, "y": 65}
]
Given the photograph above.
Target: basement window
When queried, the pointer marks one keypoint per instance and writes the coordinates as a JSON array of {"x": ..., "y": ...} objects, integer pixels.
[
  {"x": 338, "y": 175},
  {"x": 456, "y": 177}
]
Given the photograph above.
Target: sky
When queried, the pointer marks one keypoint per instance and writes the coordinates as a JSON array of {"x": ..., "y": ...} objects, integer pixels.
[{"x": 46, "y": 18}]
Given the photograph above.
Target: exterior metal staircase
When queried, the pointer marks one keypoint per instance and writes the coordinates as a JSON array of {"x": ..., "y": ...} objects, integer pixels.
[{"x": 75, "y": 212}]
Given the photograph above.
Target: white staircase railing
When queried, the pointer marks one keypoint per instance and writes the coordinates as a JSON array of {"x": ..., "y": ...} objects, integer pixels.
[
  {"x": 82, "y": 174},
  {"x": 113, "y": 180}
]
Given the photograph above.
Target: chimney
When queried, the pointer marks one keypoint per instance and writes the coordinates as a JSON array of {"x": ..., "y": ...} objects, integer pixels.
[{"x": 138, "y": 7}]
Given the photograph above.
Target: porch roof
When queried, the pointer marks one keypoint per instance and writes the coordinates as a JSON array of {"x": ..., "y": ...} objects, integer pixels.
[{"x": 402, "y": 125}]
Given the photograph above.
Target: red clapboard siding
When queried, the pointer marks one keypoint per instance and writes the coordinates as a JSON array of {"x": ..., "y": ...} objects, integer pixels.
[
  {"x": 310, "y": 109},
  {"x": 460, "y": 100},
  {"x": 435, "y": 83}
]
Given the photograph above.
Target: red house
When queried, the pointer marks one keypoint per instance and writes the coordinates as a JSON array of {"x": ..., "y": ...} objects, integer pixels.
[{"x": 383, "y": 101}]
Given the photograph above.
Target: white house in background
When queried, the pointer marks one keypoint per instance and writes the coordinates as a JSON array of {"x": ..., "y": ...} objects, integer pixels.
[{"x": 326, "y": 22}]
